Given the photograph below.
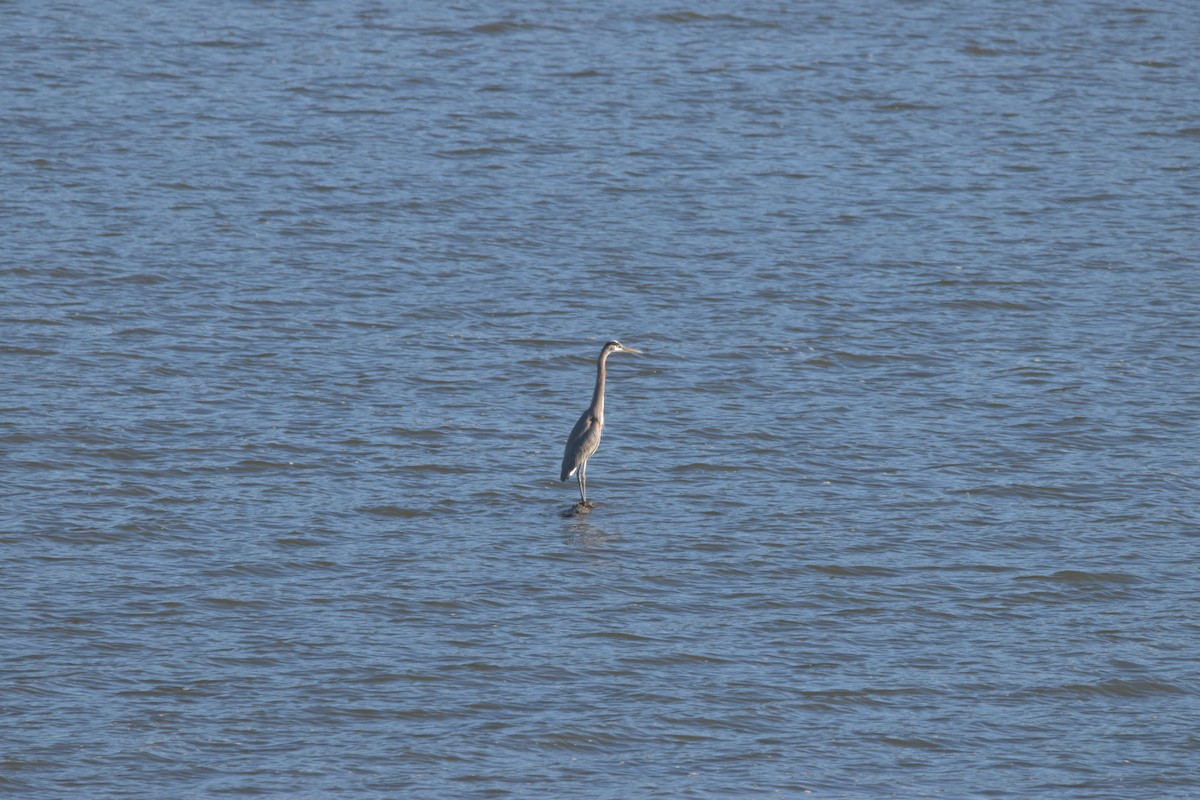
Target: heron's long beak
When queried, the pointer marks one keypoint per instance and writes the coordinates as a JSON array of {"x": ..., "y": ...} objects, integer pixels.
[{"x": 631, "y": 350}]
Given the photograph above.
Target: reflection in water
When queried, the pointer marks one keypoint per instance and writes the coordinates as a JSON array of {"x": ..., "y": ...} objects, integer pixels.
[{"x": 588, "y": 535}]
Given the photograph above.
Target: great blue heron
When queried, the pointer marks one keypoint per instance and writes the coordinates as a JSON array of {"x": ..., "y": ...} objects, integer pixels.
[{"x": 585, "y": 436}]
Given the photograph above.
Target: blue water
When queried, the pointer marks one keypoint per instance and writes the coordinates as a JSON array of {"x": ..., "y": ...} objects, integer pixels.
[{"x": 299, "y": 302}]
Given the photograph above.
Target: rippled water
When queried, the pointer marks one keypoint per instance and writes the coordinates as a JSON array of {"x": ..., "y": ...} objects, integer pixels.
[{"x": 300, "y": 301}]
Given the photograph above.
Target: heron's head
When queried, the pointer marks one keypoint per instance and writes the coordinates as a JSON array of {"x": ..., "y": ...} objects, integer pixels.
[{"x": 617, "y": 347}]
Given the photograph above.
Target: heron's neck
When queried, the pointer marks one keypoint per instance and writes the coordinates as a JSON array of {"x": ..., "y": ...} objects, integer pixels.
[{"x": 598, "y": 395}]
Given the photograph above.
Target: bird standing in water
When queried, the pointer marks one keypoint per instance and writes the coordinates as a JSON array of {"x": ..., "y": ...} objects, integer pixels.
[{"x": 585, "y": 436}]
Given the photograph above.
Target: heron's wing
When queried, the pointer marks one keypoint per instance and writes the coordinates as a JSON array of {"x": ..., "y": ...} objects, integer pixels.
[{"x": 583, "y": 441}]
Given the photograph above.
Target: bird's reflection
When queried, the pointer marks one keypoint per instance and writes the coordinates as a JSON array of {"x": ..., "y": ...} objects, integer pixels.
[{"x": 587, "y": 535}]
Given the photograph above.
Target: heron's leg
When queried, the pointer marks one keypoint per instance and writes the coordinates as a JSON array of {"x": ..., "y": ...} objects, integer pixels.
[{"x": 583, "y": 483}]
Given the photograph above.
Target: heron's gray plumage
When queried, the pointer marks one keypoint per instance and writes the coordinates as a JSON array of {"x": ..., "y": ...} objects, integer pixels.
[
  {"x": 583, "y": 441},
  {"x": 585, "y": 436}
]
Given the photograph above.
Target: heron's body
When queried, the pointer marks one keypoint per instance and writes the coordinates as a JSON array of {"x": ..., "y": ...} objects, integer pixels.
[{"x": 585, "y": 436}]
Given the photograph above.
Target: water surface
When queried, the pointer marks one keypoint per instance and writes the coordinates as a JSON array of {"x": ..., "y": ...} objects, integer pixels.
[{"x": 299, "y": 302}]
